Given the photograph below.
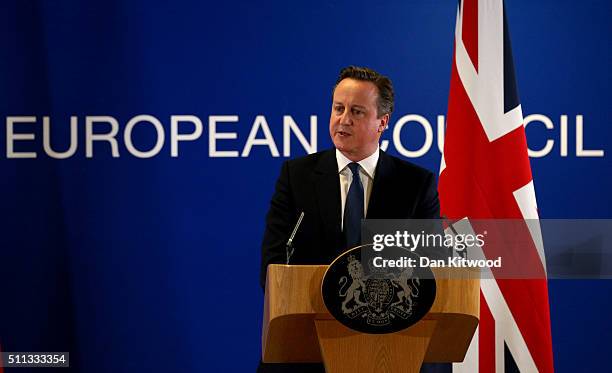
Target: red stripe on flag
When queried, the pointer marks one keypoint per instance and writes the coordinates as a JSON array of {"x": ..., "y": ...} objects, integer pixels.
[
  {"x": 470, "y": 30},
  {"x": 486, "y": 339}
]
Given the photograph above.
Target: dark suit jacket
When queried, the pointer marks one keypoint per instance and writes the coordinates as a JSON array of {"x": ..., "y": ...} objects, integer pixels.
[{"x": 312, "y": 184}]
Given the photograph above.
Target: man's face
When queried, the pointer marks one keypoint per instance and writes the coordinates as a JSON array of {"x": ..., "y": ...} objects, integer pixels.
[{"x": 353, "y": 124}]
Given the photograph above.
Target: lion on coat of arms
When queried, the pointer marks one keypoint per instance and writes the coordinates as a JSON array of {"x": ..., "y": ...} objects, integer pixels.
[{"x": 356, "y": 288}]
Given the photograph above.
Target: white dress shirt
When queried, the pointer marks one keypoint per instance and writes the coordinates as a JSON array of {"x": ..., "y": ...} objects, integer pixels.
[{"x": 367, "y": 168}]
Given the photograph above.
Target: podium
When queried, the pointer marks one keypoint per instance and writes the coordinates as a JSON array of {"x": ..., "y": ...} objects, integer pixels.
[{"x": 297, "y": 328}]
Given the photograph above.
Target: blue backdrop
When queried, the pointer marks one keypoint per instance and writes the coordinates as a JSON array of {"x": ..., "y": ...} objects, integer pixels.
[{"x": 152, "y": 264}]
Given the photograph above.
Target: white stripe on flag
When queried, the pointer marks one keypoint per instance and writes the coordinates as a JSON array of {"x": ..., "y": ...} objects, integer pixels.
[{"x": 470, "y": 363}]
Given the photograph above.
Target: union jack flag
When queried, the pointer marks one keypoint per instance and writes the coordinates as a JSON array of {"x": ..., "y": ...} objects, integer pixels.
[{"x": 485, "y": 174}]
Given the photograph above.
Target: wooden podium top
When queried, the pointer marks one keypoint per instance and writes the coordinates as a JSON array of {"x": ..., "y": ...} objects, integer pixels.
[{"x": 293, "y": 301}]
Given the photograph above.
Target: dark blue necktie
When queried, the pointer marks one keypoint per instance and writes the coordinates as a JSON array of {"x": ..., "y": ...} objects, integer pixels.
[{"x": 353, "y": 209}]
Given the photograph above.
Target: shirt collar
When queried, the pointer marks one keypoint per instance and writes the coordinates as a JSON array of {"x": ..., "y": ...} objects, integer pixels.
[{"x": 367, "y": 164}]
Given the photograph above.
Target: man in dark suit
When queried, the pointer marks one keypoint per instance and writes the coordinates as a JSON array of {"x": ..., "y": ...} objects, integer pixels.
[{"x": 337, "y": 188}]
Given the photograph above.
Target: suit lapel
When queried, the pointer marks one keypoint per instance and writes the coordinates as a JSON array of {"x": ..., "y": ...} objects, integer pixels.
[
  {"x": 327, "y": 189},
  {"x": 381, "y": 198}
]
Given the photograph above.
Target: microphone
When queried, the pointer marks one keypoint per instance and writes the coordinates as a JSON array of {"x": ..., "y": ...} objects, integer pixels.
[{"x": 289, "y": 246}]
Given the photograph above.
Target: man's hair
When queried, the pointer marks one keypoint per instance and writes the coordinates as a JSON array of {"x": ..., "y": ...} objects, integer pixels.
[{"x": 383, "y": 84}]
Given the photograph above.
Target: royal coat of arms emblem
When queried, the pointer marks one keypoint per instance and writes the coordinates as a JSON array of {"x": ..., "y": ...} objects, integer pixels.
[{"x": 376, "y": 300}]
